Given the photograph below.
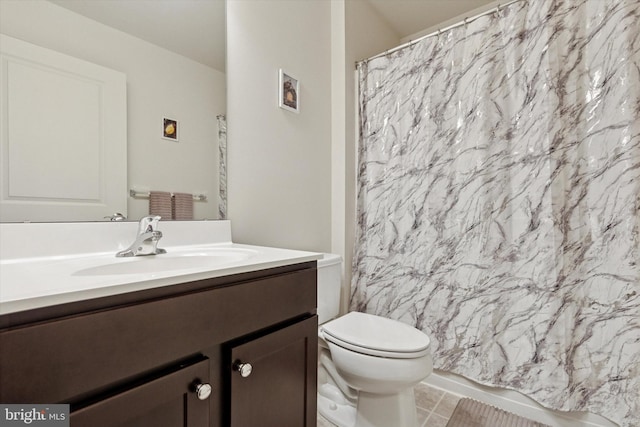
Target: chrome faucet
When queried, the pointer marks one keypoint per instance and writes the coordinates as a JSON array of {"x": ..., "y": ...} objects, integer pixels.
[{"x": 146, "y": 242}]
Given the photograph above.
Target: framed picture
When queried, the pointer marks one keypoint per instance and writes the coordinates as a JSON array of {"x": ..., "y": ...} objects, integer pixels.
[
  {"x": 170, "y": 129},
  {"x": 289, "y": 92}
]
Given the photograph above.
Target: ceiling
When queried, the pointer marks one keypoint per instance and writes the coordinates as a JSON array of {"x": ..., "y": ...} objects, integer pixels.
[
  {"x": 196, "y": 28},
  {"x": 192, "y": 28},
  {"x": 408, "y": 17}
]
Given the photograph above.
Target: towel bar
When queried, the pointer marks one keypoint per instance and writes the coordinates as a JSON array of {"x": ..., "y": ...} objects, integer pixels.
[{"x": 145, "y": 195}]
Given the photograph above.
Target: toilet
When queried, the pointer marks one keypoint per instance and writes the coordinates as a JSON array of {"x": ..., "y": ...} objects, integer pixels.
[{"x": 367, "y": 364}]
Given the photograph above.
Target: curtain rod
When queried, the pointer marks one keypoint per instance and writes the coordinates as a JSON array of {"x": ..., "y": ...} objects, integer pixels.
[{"x": 465, "y": 21}]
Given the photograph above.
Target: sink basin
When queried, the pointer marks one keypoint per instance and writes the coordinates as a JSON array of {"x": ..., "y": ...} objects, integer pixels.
[{"x": 192, "y": 259}]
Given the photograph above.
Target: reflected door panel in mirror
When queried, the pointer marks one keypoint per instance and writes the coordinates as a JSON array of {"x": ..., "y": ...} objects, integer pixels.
[
  {"x": 64, "y": 152},
  {"x": 159, "y": 82}
]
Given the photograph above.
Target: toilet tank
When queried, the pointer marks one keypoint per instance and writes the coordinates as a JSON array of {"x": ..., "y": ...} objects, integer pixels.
[{"x": 329, "y": 286}]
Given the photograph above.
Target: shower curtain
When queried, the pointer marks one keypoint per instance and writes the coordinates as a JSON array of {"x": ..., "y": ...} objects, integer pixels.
[
  {"x": 499, "y": 200},
  {"x": 222, "y": 166}
]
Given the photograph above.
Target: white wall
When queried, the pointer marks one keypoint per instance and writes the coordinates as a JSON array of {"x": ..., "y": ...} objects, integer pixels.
[
  {"x": 292, "y": 176},
  {"x": 159, "y": 83},
  {"x": 279, "y": 163}
]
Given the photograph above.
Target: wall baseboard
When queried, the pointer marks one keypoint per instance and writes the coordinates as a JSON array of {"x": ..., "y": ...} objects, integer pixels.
[{"x": 514, "y": 402}]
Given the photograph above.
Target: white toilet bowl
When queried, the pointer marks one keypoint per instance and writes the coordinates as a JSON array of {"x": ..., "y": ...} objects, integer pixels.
[
  {"x": 379, "y": 360},
  {"x": 367, "y": 365}
]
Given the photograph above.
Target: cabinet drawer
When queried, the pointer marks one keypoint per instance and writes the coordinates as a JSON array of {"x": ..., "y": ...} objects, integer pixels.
[
  {"x": 74, "y": 357},
  {"x": 167, "y": 401}
]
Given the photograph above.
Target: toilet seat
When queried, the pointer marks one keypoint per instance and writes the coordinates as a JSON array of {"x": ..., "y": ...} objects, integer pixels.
[{"x": 376, "y": 336}]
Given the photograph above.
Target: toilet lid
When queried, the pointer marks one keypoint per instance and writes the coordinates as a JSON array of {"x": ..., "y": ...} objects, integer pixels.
[{"x": 377, "y": 336}]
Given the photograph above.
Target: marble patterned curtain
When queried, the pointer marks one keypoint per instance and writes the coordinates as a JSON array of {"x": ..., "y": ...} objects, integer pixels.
[
  {"x": 499, "y": 200},
  {"x": 222, "y": 166}
]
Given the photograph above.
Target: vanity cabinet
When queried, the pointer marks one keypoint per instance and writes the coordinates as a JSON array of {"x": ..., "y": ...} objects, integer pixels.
[
  {"x": 173, "y": 399},
  {"x": 137, "y": 359},
  {"x": 273, "y": 378}
]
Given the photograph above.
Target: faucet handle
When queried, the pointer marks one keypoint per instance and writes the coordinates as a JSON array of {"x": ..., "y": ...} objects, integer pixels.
[
  {"x": 116, "y": 217},
  {"x": 148, "y": 223}
]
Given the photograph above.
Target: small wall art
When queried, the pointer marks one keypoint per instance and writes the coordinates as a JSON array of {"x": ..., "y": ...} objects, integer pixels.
[
  {"x": 170, "y": 129},
  {"x": 289, "y": 92}
]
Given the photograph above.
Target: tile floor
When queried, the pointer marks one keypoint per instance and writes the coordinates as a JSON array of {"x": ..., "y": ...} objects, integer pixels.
[{"x": 434, "y": 405}]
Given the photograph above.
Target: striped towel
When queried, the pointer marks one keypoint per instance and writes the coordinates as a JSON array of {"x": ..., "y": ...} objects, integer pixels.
[
  {"x": 182, "y": 206},
  {"x": 160, "y": 204}
]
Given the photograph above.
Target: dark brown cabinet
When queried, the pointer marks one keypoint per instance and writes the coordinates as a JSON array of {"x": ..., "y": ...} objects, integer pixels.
[
  {"x": 138, "y": 359},
  {"x": 279, "y": 387},
  {"x": 175, "y": 399}
]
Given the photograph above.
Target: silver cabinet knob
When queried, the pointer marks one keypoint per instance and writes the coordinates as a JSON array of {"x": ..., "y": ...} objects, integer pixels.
[
  {"x": 244, "y": 368},
  {"x": 203, "y": 391}
]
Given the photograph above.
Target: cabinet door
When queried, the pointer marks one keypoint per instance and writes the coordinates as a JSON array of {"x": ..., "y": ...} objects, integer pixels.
[
  {"x": 280, "y": 388},
  {"x": 170, "y": 400}
]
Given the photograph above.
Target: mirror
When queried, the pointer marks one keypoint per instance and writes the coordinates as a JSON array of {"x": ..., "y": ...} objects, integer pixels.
[{"x": 173, "y": 55}]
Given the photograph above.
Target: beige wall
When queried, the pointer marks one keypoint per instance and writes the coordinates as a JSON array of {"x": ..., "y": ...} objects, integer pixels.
[
  {"x": 159, "y": 83},
  {"x": 292, "y": 177},
  {"x": 279, "y": 163}
]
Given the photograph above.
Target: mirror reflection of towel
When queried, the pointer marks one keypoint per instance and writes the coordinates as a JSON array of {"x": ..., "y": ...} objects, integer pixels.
[
  {"x": 160, "y": 204},
  {"x": 182, "y": 206}
]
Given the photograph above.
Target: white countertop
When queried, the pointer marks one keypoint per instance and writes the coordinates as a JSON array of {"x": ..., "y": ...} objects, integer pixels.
[{"x": 69, "y": 274}]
